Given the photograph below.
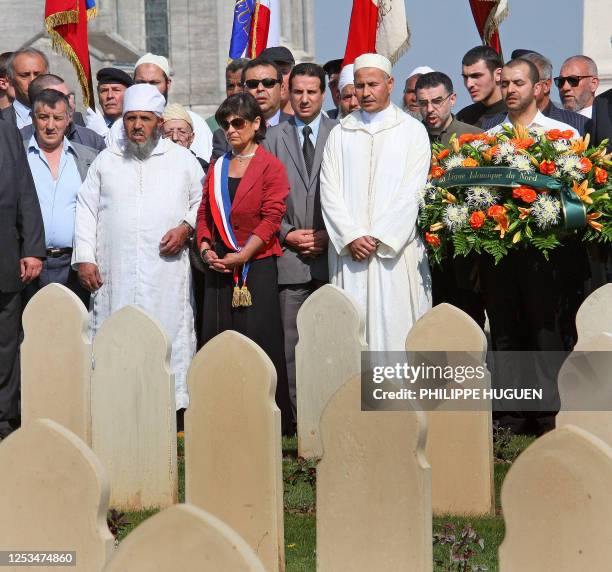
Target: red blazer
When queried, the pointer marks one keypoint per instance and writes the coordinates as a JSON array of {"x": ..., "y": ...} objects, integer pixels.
[{"x": 258, "y": 207}]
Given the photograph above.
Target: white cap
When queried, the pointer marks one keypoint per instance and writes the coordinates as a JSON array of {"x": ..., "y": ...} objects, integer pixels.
[
  {"x": 346, "y": 77},
  {"x": 143, "y": 97},
  {"x": 160, "y": 61},
  {"x": 373, "y": 61},
  {"x": 421, "y": 70},
  {"x": 175, "y": 111}
]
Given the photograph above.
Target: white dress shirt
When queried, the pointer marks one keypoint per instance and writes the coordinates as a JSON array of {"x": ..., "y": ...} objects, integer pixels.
[
  {"x": 587, "y": 111},
  {"x": 22, "y": 114},
  {"x": 540, "y": 120}
]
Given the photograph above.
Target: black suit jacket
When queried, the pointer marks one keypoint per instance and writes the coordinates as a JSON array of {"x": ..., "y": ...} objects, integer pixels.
[
  {"x": 76, "y": 133},
  {"x": 21, "y": 226},
  {"x": 220, "y": 144},
  {"x": 8, "y": 114},
  {"x": 601, "y": 124}
]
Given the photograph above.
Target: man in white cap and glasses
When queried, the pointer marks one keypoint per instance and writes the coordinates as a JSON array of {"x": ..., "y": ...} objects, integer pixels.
[
  {"x": 374, "y": 166},
  {"x": 348, "y": 101},
  {"x": 135, "y": 213}
]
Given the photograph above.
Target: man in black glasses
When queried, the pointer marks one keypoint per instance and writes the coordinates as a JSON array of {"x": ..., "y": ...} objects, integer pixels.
[
  {"x": 577, "y": 82},
  {"x": 455, "y": 281},
  {"x": 261, "y": 78},
  {"x": 543, "y": 101}
]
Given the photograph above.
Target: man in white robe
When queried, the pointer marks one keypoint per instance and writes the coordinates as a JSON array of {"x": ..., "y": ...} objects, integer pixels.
[
  {"x": 135, "y": 212},
  {"x": 375, "y": 164}
]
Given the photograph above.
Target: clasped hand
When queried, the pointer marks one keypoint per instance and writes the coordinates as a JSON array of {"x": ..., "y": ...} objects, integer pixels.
[
  {"x": 307, "y": 242},
  {"x": 362, "y": 247},
  {"x": 226, "y": 264}
]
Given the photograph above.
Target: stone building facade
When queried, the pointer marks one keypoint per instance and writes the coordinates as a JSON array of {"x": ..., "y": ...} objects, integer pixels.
[{"x": 193, "y": 34}]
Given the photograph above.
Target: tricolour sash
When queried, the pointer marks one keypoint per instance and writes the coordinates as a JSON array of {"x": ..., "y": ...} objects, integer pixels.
[{"x": 220, "y": 207}]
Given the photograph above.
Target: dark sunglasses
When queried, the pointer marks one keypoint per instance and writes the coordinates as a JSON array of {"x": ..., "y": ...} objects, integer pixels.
[
  {"x": 237, "y": 123},
  {"x": 267, "y": 82},
  {"x": 573, "y": 80}
]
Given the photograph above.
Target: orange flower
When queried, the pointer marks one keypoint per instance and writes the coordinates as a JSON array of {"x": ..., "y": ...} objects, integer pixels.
[
  {"x": 436, "y": 172},
  {"x": 494, "y": 150},
  {"x": 553, "y": 135},
  {"x": 591, "y": 221},
  {"x": 496, "y": 210},
  {"x": 525, "y": 193},
  {"x": 442, "y": 154},
  {"x": 477, "y": 219},
  {"x": 432, "y": 239},
  {"x": 567, "y": 134},
  {"x": 524, "y": 213},
  {"x": 547, "y": 167},
  {"x": 583, "y": 191},
  {"x": 502, "y": 224},
  {"x": 522, "y": 143},
  {"x": 585, "y": 164},
  {"x": 469, "y": 162},
  {"x": 467, "y": 138},
  {"x": 601, "y": 176}
]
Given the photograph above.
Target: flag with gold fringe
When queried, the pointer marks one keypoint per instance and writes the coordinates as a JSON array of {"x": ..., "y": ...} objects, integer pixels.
[
  {"x": 66, "y": 23},
  {"x": 488, "y": 15}
]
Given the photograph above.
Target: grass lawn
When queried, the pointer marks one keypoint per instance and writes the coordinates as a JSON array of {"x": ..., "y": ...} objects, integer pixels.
[{"x": 300, "y": 525}]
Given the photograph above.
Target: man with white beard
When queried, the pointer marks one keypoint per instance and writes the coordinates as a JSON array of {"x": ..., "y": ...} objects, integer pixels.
[
  {"x": 374, "y": 165},
  {"x": 135, "y": 212}
]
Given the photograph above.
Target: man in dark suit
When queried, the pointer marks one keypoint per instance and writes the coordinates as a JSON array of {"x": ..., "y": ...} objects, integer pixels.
[
  {"x": 7, "y": 93},
  {"x": 23, "y": 248},
  {"x": 263, "y": 79},
  {"x": 545, "y": 105},
  {"x": 299, "y": 143}
]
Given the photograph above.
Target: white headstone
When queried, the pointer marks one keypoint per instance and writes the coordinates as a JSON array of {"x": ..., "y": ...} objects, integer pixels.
[
  {"x": 595, "y": 314},
  {"x": 233, "y": 457},
  {"x": 53, "y": 495},
  {"x": 557, "y": 501},
  {"x": 373, "y": 488},
  {"x": 459, "y": 443},
  {"x": 56, "y": 361},
  {"x": 133, "y": 411},
  {"x": 331, "y": 331},
  {"x": 185, "y": 538}
]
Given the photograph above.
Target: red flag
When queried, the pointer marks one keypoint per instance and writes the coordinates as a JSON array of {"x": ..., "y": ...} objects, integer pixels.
[
  {"x": 66, "y": 23},
  {"x": 488, "y": 15},
  {"x": 377, "y": 26}
]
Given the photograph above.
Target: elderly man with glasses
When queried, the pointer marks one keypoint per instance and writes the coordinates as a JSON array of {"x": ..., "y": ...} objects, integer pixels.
[{"x": 577, "y": 83}]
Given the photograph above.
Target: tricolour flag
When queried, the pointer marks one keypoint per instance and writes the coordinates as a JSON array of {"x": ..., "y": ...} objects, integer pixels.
[
  {"x": 252, "y": 26},
  {"x": 66, "y": 23},
  {"x": 488, "y": 15},
  {"x": 377, "y": 26}
]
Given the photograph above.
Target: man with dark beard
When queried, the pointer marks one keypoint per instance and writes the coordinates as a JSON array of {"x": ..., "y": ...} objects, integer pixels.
[{"x": 135, "y": 212}]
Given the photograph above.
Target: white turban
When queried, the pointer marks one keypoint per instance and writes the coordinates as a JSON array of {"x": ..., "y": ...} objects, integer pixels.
[
  {"x": 346, "y": 77},
  {"x": 160, "y": 61},
  {"x": 373, "y": 61},
  {"x": 421, "y": 70},
  {"x": 143, "y": 97}
]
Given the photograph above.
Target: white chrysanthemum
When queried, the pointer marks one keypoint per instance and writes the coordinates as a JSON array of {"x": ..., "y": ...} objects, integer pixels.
[
  {"x": 427, "y": 193},
  {"x": 504, "y": 153},
  {"x": 481, "y": 197},
  {"x": 521, "y": 163},
  {"x": 561, "y": 146},
  {"x": 479, "y": 144},
  {"x": 455, "y": 216},
  {"x": 546, "y": 211},
  {"x": 453, "y": 161},
  {"x": 569, "y": 165}
]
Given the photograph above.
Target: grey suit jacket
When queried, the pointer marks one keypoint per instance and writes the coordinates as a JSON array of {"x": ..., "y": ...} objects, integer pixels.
[
  {"x": 303, "y": 202},
  {"x": 84, "y": 156}
]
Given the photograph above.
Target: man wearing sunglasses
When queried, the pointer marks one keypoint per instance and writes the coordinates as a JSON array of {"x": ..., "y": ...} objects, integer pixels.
[
  {"x": 261, "y": 78},
  {"x": 577, "y": 83},
  {"x": 543, "y": 101}
]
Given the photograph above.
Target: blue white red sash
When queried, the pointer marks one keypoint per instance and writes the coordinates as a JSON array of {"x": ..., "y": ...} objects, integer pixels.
[{"x": 220, "y": 207}]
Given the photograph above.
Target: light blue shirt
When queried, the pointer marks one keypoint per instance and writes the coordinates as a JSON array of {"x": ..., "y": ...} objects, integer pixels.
[
  {"x": 314, "y": 125},
  {"x": 22, "y": 114},
  {"x": 57, "y": 198}
]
